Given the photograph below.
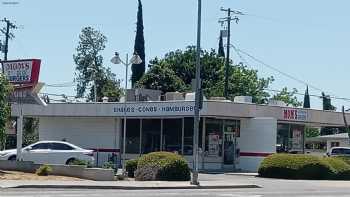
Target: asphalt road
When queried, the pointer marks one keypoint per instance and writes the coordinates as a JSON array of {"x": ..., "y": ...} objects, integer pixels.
[
  {"x": 168, "y": 193},
  {"x": 270, "y": 187}
]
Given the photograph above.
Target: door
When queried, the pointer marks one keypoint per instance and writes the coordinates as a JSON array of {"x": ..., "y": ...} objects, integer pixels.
[
  {"x": 229, "y": 149},
  {"x": 36, "y": 153}
]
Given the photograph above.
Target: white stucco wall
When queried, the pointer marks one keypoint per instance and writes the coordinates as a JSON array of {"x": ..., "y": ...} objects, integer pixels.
[
  {"x": 342, "y": 142},
  {"x": 258, "y": 138},
  {"x": 89, "y": 133}
]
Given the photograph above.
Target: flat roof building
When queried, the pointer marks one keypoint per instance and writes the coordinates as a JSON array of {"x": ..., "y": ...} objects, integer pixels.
[{"x": 232, "y": 135}]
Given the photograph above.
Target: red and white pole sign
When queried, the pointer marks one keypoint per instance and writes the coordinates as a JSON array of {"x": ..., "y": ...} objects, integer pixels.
[{"x": 24, "y": 72}]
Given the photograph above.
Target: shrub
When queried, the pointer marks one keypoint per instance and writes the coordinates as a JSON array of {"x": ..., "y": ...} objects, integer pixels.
[
  {"x": 163, "y": 166},
  {"x": 44, "y": 170},
  {"x": 341, "y": 168},
  {"x": 345, "y": 159},
  {"x": 293, "y": 166},
  {"x": 108, "y": 165},
  {"x": 79, "y": 162},
  {"x": 131, "y": 166}
]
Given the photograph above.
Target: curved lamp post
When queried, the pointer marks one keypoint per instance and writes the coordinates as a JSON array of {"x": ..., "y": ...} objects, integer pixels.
[{"x": 135, "y": 59}]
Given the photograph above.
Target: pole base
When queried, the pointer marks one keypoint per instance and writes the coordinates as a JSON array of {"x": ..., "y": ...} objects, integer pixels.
[{"x": 194, "y": 180}]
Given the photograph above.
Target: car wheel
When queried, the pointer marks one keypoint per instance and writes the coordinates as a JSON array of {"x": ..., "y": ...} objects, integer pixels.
[
  {"x": 12, "y": 158},
  {"x": 70, "y": 161}
]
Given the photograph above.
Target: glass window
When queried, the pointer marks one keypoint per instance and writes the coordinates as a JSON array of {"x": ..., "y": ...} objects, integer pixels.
[
  {"x": 334, "y": 144},
  {"x": 213, "y": 137},
  {"x": 40, "y": 146},
  {"x": 346, "y": 151},
  {"x": 132, "y": 143},
  {"x": 172, "y": 133},
  {"x": 337, "y": 151},
  {"x": 290, "y": 138},
  {"x": 188, "y": 135},
  {"x": 150, "y": 135},
  {"x": 60, "y": 146},
  {"x": 232, "y": 126}
]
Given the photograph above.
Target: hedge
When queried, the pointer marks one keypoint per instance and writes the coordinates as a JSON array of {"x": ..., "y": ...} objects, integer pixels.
[
  {"x": 163, "y": 166},
  {"x": 291, "y": 166},
  {"x": 131, "y": 166},
  {"x": 341, "y": 168}
]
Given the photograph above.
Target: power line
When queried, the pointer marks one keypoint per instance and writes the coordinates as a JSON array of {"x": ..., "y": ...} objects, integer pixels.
[
  {"x": 312, "y": 95},
  {"x": 239, "y": 51},
  {"x": 275, "y": 69}
]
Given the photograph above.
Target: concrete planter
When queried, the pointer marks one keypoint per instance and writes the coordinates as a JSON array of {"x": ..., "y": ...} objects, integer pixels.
[{"x": 96, "y": 174}]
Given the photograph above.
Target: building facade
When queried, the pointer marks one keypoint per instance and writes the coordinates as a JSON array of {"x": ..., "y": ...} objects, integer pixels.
[{"x": 231, "y": 136}]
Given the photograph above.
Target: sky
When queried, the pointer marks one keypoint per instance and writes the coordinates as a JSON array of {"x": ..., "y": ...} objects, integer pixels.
[{"x": 308, "y": 40}]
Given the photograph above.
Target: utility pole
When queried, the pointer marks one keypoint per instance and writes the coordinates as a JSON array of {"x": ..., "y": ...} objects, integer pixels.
[
  {"x": 345, "y": 122},
  {"x": 194, "y": 180},
  {"x": 228, "y": 20},
  {"x": 8, "y": 35}
]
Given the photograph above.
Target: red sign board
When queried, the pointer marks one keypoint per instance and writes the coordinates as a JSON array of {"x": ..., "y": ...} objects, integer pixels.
[
  {"x": 24, "y": 72},
  {"x": 294, "y": 114}
]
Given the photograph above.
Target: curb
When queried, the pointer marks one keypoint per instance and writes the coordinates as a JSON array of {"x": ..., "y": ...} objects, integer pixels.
[
  {"x": 239, "y": 174},
  {"x": 131, "y": 187}
]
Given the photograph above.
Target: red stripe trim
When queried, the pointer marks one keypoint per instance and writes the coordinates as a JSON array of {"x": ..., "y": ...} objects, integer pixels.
[
  {"x": 105, "y": 150},
  {"x": 250, "y": 154}
]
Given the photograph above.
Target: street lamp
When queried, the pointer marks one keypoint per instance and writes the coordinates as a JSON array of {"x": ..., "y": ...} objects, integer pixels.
[{"x": 135, "y": 59}]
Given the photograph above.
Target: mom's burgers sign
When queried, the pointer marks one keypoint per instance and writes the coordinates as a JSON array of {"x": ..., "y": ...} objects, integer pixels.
[
  {"x": 22, "y": 71},
  {"x": 294, "y": 114}
]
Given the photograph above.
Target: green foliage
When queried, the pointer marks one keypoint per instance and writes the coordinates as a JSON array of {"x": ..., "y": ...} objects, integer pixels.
[
  {"x": 89, "y": 67},
  {"x": 312, "y": 132},
  {"x": 288, "y": 97},
  {"x": 180, "y": 69},
  {"x": 139, "y": 69},
  {"x": 168, "y": 166},
  {"x": 30, "y": 131},
  {"x": 5, "y": 91},
  {"x": 306, "y": 103},
  {"x": 221, "y": 52},
  {"x": 44, "y": 170},
  {"x": 108, "y": 165},
  {"x": 160, "y": 77},
  {"x": 79, "y": 162},
  {"x": 345, "y": 159},
  {"x": 341, "y": 168},
  {"x": 292, "y": 166},
  {"x": 131, "y": 166},
  {"x": 326, "y": 101}
]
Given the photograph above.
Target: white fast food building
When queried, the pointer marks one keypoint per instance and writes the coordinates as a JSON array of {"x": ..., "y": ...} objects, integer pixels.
[{"x": 233, "y": 135}]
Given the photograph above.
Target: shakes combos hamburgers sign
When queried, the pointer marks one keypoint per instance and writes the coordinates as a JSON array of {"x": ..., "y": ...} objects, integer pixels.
[{"x": 22, "y": 72}]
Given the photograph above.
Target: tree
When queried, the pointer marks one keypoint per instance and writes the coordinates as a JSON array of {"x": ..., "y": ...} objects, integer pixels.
[
  {"x": 139, "y": 69},
  {"x": 89, "y": 67},
  {"x": 242, "y": 81},
  {"x": 311, "y": 132},
  {"x": 30, "y": 130},
  {"x": 326, "y": 101},
  {"x": 111, "y": 86},
  {"x": 327, "y": 105},
  {"x": 161, "y": 77},
  {"x": 288, "y": 97},
  {"x": 5, "y": 91},
  {"x": 306, "y": 103},
  {"x": 221, "y": 51}
]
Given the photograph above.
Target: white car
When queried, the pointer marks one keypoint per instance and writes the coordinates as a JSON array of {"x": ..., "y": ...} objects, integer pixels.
[
  {"x": 339, "y": 151},
  {"x": 50, "y": 152}
]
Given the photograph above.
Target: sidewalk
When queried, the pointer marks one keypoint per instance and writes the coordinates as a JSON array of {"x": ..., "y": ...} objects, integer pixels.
[{"x": 125, "y": 185}]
